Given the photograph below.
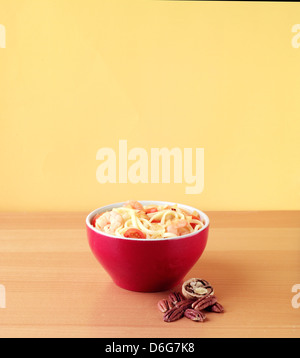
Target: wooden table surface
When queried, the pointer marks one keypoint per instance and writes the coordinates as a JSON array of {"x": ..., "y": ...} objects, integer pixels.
[{"x": 54, "y": 287}]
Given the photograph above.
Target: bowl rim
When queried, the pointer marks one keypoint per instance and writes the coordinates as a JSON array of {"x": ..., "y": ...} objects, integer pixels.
[{"x": 146, "y": 202}]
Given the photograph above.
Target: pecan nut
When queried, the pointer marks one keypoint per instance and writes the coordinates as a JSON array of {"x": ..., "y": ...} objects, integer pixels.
[
  {"x": 196, "y": 288},
  {"x": 194, "y": 315},
  {"x": 217, "y": 308},
  {"x": 185, "y": 304},
  {"x": 204, "y": 302},
  {"x": 164, "y": 305},
  {"x": 175, "y": 297},
  {"x": 173, "y": 314}
]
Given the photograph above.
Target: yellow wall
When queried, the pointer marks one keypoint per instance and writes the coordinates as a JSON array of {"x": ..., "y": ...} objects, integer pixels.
[{"x": 77, "y": 76}]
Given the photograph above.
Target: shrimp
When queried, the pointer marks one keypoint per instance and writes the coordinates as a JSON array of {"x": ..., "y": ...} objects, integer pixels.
[
  {"x": 133, "y": 204},
  {"x": 111, "y": 218},
  {"x": 178, "y": 227}
]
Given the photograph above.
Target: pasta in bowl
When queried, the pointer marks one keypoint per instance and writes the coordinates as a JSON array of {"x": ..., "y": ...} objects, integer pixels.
[
  {"x": 134, "y": 220},
  {"x": 147, "y": 246}
]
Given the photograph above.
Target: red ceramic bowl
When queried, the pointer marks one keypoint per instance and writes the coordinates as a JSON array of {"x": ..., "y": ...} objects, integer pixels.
[{"x": 147, "y": 265}]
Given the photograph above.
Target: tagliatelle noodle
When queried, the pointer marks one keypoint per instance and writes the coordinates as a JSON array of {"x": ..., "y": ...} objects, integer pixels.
[{"x": 166, "y": 222}]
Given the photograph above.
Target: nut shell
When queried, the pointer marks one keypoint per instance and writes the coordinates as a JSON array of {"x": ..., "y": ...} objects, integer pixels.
[{"x": 196, "y": 288}]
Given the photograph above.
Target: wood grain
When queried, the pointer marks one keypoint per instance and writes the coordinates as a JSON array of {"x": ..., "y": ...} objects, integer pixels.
[{"x": 56, "y": 288}]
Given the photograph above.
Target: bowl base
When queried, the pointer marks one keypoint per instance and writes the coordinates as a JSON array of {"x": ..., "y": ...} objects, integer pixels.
[{"x": 148, "y": 289}]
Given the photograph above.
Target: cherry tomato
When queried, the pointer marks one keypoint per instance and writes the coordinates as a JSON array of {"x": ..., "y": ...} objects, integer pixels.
[
  {"x": 193, "y": 225},
  {"x": 196, "y": 217},
  {"x": 95, "y": 219},
  {"x": 134, "y": 234}
]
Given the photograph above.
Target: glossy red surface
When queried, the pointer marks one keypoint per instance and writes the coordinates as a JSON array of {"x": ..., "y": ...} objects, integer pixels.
[{"x": 147, "y": 265}]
